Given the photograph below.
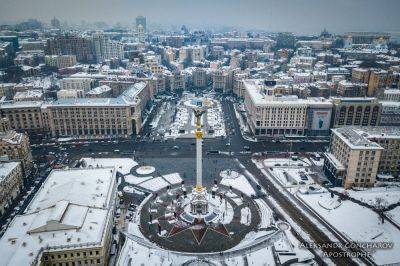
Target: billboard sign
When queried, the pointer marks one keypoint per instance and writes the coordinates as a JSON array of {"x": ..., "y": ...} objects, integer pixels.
[{"x": 321, "y": 119}]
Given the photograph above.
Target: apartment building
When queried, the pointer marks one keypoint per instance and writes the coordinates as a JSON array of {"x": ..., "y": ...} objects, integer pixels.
[
  {"x": 82, "y": 117},
  {"x": 389, "y": 139},
  {"x": 177, "y": 81},
  {"x": 351, "y": 89},
  {"x": 104, "y": 48},
  {"x": 356, "y": 111},
  {"x": 60, "y": 61},
  {"x": 377, "y": 82},
  {"x": 222, "y": 80},
  {"x": 390, "y": 114},
  {"x": 68, "y": 222},
  {"x": 24, "y": 115},
  {"x": 11, "y": 175},
  {"x": 70, "y": 44},
  {"x": 199, "y": 76},
  {"x": 360, "y": 75},
  {"x": 238, "y": 83},
  {"x": 352, "y": 159},
  {"x": 16, "y": 146}
]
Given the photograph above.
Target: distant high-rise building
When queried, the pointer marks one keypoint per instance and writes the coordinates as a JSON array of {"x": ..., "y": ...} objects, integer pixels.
[
  {"x": 141, "y": 21},
  {"x": 70, "y": 44},
  {"x": 55, "y": 23}
]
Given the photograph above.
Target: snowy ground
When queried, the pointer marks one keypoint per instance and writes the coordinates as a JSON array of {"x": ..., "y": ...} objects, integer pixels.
[
  {"x": 358, "y": 223},
  {"x": 237, "y": 181},
  {"x": 291, "y": 177},
  {"x": 183, "y": 124},
  {"x": 283, "y": 162},
  {"x": 123, "y": 165},
  {"x": 394, "y": 215},
  {"x": 390, "y": 195},
  {"x": 140, "y": 251}
]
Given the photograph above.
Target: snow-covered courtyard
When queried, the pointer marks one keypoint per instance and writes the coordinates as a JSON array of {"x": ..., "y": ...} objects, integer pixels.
[{"x": 178, "y": 120}]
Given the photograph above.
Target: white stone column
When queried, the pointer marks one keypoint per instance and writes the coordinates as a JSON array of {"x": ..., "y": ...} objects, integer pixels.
[{"x": 199, "y": 166}]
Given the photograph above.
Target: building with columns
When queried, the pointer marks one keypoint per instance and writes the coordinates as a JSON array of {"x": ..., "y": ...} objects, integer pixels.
[{"x": 356, "y": 111}]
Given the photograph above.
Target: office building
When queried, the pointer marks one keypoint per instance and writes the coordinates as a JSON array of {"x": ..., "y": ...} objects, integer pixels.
[
  {"x": 273, "y": 115},
  {"x": 357, "y": 111},
  {"x": 352, "y": 159}
]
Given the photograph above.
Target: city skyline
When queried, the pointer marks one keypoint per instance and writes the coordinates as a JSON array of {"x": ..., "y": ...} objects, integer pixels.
[{"x": 299, "y": 16}]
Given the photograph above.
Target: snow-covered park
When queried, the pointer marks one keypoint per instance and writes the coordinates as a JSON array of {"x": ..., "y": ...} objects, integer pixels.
[
  {"x": 389, "y": 194},
  {"x": 356, "y": 222}
]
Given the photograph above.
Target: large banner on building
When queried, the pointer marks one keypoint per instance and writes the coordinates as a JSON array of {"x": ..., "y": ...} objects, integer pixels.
[{"x": 321, "y": 119}]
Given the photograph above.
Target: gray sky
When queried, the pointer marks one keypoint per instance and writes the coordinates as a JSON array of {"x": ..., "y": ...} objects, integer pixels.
[{"x": 300, "y": 16}]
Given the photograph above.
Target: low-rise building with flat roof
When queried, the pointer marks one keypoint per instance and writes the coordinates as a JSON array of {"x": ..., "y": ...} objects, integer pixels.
[{"x": 68, "y": 222}]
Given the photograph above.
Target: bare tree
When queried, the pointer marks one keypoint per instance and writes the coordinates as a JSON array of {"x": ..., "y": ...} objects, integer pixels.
[{"x": 380, "y": 206}]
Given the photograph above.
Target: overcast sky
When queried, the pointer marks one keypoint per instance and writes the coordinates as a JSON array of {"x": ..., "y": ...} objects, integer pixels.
[{"x": 300, "y": 16}]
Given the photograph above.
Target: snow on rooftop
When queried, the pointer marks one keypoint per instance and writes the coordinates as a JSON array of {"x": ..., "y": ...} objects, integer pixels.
[
  {"x": 6, "y": 168},
  {"x": 355, "y": 139},
  {"x": 11, "y": 137},
  {"x": 70, "y": 210},
  {"x": 99, "y": 90},
  {"x": 87, "y": 187},
  {"x": 261, "y": 95},
  {"x": 28, "y": 94}
]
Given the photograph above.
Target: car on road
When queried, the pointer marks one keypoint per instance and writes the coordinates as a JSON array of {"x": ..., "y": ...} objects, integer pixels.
[
  {"x": 212, "y": 152},
  {"x": 228, "y": 144},
  {"x": 175, "y": 148},
  {"x": 246, "y": 148}
]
